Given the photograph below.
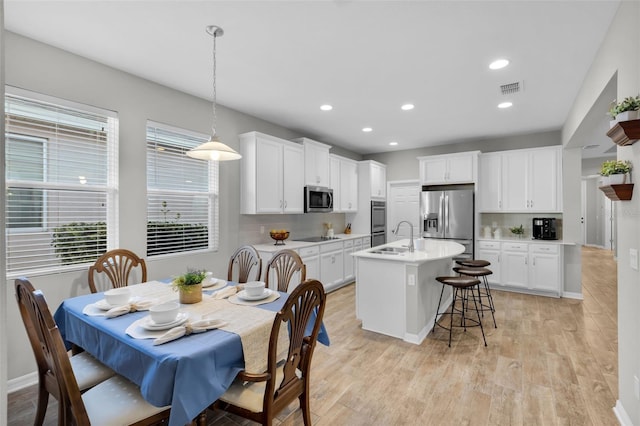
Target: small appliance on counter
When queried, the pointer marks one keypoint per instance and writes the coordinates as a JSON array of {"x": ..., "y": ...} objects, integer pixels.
[{"x": 544, "y": 228}]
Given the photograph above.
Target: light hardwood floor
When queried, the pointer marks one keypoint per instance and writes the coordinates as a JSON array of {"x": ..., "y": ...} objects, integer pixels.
[{"x": 549, "y": 362}]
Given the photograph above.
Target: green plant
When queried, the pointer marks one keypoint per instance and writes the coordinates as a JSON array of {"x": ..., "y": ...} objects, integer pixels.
[
  {"x": 615, "y": 167},
  {"x": 79, "y": 242},
  {"x": 628, "y": 104},
  {"x": 191, "y": 278},
  {"x": 518, "y": 230}
]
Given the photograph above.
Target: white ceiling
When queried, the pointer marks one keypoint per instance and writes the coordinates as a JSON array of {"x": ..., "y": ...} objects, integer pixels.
[{"x": 281, "y": 60}]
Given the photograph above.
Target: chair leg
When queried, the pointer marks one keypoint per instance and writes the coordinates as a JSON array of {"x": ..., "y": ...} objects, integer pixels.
[
  {"x": 453, "y": 307},
  {"x": 304, "y": 406},
  {"x": 43, "y": 401},
  {"x": 490, "y": 297},
  {"x": 480, "y": 321},
  {"x": 435, "y": 320}
]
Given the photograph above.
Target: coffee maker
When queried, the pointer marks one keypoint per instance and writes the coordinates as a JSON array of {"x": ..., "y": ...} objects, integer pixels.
[{"x": 544, "y": 228}]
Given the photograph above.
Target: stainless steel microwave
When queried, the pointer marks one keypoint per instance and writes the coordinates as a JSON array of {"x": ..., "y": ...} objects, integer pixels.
[{"x": 318, "y": 199}]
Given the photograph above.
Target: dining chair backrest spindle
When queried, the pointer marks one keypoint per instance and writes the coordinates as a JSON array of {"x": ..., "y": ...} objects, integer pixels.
[
  {"x": 117, "y": 265},
  {"x": 245, "y": 260},
  {"x": 285, "y": 264}
]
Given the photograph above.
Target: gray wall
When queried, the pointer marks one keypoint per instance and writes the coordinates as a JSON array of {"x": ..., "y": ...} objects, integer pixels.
[
  {"x": 3, "y": 269},
  {"x": 403, "y": 165},
  {"x": 618, "y": 57}
]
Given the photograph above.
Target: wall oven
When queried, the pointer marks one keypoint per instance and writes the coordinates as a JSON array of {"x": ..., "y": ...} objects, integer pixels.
[
  {"x": 378, "y": 223},
  {"x": 318, "y": 199}
]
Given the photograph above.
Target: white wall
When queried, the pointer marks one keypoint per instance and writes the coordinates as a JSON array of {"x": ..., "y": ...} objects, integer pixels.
[
  {"x": 41, "y": 68},
  {"x": 619, "y": 54},
  {"x": 3, "y": 269}
]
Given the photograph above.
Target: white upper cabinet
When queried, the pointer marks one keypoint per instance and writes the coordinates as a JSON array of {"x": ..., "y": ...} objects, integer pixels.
[
  {"x": 449, "y": 168},
  {"x": 532, "y": 180},
  {"x": 523, "y": 180},
  {"x": 316, "y": 162},
  {"x": 378, "y": 174},
  {"x": 271, "y": 175},
  {"x": 490, "y": 182},
  {"x": 344, "y": 182}
]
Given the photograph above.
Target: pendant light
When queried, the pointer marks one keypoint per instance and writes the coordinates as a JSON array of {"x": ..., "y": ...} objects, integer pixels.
[{"x": 214, "y": 150}]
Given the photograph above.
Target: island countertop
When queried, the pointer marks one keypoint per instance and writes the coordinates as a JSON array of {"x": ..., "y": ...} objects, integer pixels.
[{"x": 425, "y": 250}]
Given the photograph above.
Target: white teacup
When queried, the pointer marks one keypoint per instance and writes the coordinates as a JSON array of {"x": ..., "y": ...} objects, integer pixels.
[
  {"x": 165, "y": 312},
  {"x": 254, "y": 288},
  {"x": 117, "y": 296}
]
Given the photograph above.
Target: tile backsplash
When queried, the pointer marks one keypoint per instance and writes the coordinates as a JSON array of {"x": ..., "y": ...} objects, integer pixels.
[
  {"x": 503, "y": 221},
  {"x": 299, "y": 226}
]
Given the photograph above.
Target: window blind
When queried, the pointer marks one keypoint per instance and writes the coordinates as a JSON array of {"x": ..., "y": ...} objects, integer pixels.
[
  {"x": 61, "y": 183},
  {"x": 182, "y": 193}
]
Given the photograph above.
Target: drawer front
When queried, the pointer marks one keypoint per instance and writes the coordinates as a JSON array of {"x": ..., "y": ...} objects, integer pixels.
[
  {"x": 544, "y": 248},
  {"x": 308, "y": 251},
  {"x": 326, "y": 248},
  {"x": 366, "y": 242},
  {"x": 492, "y": 245},
  {"x": 515, "y": 246},
  {"x": 348, "y": 243}
]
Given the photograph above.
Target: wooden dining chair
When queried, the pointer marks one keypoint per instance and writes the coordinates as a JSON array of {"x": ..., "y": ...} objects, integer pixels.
[
  {"x": 260, "y": 397},
  {"x": 285, "y": 264},
  {"x": 117, "y": 265},
  {"x": 116, "y": 401},
  {"x": 87, "y": 370},
  {"x": 246, "y": 258}
]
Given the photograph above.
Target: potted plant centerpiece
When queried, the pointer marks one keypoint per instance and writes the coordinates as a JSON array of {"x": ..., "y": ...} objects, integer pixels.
[
  {"x": 615, "y": 171},
  {"x": 625, "y": 110},
  {"x": 189, "y": 286}
]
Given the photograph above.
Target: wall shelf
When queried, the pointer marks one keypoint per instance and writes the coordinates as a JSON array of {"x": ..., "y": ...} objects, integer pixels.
[
  {"x": 618, "y": 192},
  {"x": 625, "y": 132}
]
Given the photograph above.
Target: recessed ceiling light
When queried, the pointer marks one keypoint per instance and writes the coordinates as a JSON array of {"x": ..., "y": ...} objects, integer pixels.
[
  {"x": 505, "y": 105},
  {"x": 393, "y": 143},
  {"x": 326, "y": 107},
  {"x": 367, "y": 129},
  {"x": 499, "y": 63},
  {"x": 407, "y": 107}
]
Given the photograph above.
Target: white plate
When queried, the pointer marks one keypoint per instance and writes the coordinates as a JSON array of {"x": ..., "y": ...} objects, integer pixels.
[
  {"x": 213, "y": 282},
  {"x": 148, "y": 324},
  {"x": 244, "y": 296}
]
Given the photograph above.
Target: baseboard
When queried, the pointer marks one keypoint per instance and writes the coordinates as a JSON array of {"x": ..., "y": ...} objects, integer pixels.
[
  {"x": 22, "y": 382},
  {"x": 417, "y": 339},
  {"x": 622, "y": 415},
  {"x": 572, "y": 295}
]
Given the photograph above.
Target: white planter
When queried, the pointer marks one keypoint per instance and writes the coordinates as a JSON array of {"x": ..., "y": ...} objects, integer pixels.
[
  {"x": 612, "y": 123},
  {"x": 627, "y": 115},
  {"x": 618, "y": 179}
]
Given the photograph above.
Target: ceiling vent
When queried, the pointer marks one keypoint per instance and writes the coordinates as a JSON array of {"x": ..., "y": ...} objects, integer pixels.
[{"x": 511, "y": 88}]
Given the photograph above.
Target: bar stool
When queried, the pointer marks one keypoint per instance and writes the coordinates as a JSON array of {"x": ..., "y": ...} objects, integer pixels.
[
  {"x": 461, "y": 287},
  {"x": 480, "y": 273},
  {"x": 473, "y": 263}
]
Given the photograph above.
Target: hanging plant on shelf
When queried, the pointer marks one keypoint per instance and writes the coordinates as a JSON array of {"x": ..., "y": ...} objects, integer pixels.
[
  {"x": 625, "y": 110},
  {"x": 615, "y": 171}
]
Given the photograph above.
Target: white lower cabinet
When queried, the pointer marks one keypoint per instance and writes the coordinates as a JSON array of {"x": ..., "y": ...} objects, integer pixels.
[
  {"x": 490, "y": 251},
  {"x": 349, "y": 261},
  {"x": 331, "y": 264},
  {"x": 311, "y": 258},
  {"x": 515, "y": 259},
  {"x": 524, "y": 266}
]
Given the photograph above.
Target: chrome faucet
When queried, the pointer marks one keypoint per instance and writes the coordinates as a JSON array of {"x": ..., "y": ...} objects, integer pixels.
[{"x": 395, "y": 231}]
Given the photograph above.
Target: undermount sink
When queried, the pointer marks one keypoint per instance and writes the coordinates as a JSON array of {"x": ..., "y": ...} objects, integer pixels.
[{"x": 389, "y": 250}]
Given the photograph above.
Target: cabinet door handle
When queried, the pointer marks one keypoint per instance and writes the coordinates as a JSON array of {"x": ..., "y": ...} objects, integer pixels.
[
  {"x": 525, "y": 261},
  {"x": 534, "y": 261},
  {"x": 285, "y": 204}
]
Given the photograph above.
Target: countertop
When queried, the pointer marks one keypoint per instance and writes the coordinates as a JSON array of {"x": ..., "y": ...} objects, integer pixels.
[
  {"x": 425, "y": 251},
  {"x": 293, "y": 245},
  {"x": 527, "y": 240}
]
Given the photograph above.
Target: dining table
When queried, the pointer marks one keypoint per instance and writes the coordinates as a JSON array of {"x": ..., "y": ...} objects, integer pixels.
[{"x": 188, "y": 373}]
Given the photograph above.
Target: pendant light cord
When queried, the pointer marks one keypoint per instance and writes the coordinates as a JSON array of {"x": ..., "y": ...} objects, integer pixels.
[{"x": 215, "y": 117}]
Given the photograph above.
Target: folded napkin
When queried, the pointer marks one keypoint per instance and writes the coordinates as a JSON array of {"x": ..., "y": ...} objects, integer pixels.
[
  {"x": 142, "y": 305},
  {"x": 187, "y": 328},
  {"x": 225, "y": 292}
]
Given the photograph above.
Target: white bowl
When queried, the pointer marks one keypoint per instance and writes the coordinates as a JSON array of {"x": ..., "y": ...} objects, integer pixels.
[
  {"x": 254, "y": 288},
  {"x": 117, "y": 296},
  {"x": 165, "y": 312}
]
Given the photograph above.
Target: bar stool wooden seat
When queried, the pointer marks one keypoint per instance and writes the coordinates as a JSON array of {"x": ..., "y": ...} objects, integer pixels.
[
  {"x": 481, "y": 273},
  {"x": 473, "y": 263},
  {"x": 461, "y": 285}
]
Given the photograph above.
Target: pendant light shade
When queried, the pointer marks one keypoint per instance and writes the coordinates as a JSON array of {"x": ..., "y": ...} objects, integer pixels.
[{"x": 214, "y": 150}]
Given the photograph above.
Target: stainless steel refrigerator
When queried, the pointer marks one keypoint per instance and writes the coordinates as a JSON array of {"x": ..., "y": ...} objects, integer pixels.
[{"x": 448, "y": 214}]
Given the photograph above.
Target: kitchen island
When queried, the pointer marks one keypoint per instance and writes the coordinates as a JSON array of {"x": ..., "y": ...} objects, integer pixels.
[{"x": 396, "y": 290}]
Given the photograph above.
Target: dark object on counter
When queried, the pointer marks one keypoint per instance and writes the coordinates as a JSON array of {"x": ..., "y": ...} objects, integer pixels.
[{"x": 544, "y": 228}]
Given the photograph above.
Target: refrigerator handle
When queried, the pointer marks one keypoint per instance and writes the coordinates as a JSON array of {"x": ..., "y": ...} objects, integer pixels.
[
  {"x": 446, "y": 215},
  {"x": 441, "y": 214}
]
